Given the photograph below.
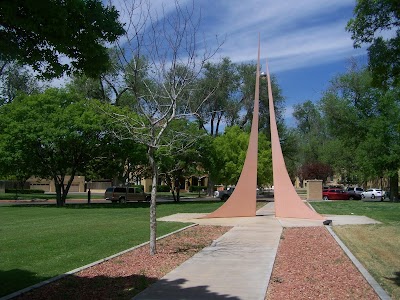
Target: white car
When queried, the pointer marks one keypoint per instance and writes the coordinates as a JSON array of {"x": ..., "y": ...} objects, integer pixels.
[{"x": 373, "y": 193}]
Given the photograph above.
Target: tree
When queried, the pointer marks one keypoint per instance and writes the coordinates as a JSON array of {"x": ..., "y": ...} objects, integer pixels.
[
  {"x": 311, "y": 133},
  {"x": 247, "y": 82},
  {"x": 182, "y": 157},
  {"x": 362, "y": 123},
  {"x": 347, "y": 106},
  {"x": 16, "y": 79},
  {"x": 372, "y": 20},
  {"x": 36, "y": 33},
  {"x": 162, "y": 88},
  {"x": 231, "y": 148},
  {"x": 220, "y": 84},
  {"x": 315, "y": 170},
  {"x": 51, "y": 135}
]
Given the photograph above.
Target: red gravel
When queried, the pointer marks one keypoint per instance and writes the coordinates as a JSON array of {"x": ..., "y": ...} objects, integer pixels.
[
  {"x": 311, "y": 265},
  {"x": 126, "y": 275}
]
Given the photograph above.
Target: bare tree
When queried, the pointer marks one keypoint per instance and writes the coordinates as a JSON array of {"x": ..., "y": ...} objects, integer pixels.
[{"x": 161, "y": 62}]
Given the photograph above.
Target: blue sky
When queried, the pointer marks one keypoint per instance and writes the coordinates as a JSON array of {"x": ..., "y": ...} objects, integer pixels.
[{"x": 305, "y": 41}]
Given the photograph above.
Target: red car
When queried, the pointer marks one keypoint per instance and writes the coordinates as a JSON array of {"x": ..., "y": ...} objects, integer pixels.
[{"x": 335, "y": 194}]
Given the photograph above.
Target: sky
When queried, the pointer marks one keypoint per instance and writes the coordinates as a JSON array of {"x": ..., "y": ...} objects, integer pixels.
[{"x": 305, "y": 42}]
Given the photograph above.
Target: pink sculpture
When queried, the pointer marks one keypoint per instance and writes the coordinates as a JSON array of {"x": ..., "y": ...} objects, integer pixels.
[
  {"x": 242, "y": 202},
  {"x": 287, "y": 202}
]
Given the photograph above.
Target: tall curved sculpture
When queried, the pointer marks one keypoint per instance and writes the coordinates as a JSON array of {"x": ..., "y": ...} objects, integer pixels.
[
  {"x": 242, "y": 202},
  {"x": 287, "y": 202}
]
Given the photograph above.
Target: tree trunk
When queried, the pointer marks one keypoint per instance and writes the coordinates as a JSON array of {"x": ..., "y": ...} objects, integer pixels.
[
  {"x": 209, "y": 186},
  {"x": 212, "y": 124},
  {"x": 177, "y": 188},
  {"x": 57, "y": 185},
  {"x": 218, "y": 122},
  {"x": 65, "y": 190},
  {"x": 171, "y": 188},
  {"x": 153, "y": 216},
  {"x": 394, "y": 188}
]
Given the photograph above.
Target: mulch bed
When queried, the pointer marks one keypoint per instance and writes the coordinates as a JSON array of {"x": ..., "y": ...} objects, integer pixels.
[{"x": 311, "y": 265}]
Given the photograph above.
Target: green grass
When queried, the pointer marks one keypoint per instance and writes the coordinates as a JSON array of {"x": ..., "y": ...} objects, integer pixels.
[
  {"x": 39, "y": 242},
  {"x": 385, "y": 212},
  {"x": 377, "y": 247}
]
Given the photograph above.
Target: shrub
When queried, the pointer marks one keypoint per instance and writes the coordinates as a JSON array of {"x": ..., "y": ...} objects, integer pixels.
[
  {"x": 194, "y": 188},
  {"x": 24, "y": 191},
  {"x": 139, "y": 186},
  {"x": 161, "y": 188}
]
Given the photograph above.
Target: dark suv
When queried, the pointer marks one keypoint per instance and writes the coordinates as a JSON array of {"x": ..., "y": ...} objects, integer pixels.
[{"x": 124, "y": 194}]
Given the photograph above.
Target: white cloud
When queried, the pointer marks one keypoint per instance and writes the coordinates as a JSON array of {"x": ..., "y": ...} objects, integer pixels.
[{"x": 293, "y": 34}]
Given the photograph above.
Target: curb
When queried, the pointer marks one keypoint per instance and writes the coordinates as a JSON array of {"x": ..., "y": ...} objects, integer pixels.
[
  {"x": 372, "y": 282},
  {"x": 42, "y": 283}
]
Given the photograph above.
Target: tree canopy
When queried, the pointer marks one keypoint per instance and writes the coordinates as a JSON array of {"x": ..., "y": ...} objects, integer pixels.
[
  {"x": 38, "y": 32},
  {"x": 372, "y": 20},
  {"x": 51, "y": 135},
  {"x": 230, "y": 150}
]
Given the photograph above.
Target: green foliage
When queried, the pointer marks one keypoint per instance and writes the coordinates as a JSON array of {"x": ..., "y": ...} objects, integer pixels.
[
  {"x": 51, "y": 135},
  {"x": 311, "y": 131},
  {"x": 221, "y": 83},
  {"x": 196, "y": 188},
  {"x": 163, "y": 188},
  {"x": 37, "y": 32},
  {"x": 231, "y": 149},
  {"x": 372, "y": 20},
  {"x": 14, "y": 80},
  {"x": 354, "y": 128},
  {"x": 181, "y": 156}
]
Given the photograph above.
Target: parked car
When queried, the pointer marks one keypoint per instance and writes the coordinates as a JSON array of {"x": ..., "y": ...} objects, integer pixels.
[
  {"x": 335, "y": 194},
  {"x": 225, "y": 194},
  {"x": 373, "y": 193},
  {"x": 125, "y": 194},
  {"x": 354, "y": 193}
]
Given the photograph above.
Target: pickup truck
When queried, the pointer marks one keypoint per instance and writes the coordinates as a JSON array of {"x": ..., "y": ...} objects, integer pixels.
[{"x": 225, "y": 194}]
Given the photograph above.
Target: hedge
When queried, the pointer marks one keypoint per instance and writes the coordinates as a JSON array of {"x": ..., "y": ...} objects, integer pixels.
[
  {"x": 14, "y": 191},
  {"x": 196, "y": 188}
]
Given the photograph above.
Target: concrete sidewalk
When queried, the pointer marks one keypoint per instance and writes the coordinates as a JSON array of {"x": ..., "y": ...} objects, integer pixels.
[{"x": 236, "y": 266}]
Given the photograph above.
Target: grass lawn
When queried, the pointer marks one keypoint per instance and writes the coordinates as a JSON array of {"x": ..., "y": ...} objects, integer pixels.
[
  {"x": 39, "y": 242},
  {"x": 376, "y": 246}
]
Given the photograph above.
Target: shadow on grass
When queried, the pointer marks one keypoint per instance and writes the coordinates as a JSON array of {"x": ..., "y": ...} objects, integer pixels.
[
  {"x": 16, "y": 279},
  {"x": 85, "y": 205},
  {"x": 395, "y": 279},
  {"x": 115, "y": 205},
  {"x": 103, "y": 287}
]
